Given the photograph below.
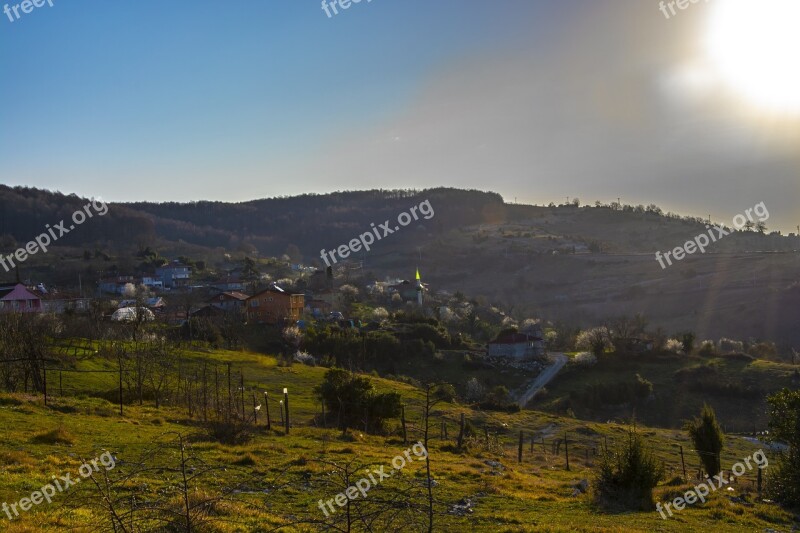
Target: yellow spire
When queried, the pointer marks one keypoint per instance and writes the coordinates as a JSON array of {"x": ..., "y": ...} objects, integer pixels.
[{"x": 418, "y": 276}]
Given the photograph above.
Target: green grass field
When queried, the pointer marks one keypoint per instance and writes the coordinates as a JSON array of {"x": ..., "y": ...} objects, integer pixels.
[
  {"x": 536, "y": 495},
  {"x": 675, "y": 399}
]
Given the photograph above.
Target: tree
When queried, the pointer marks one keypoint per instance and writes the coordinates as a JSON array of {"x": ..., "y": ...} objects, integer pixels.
[
  {"x": 294, "y": 253},
  {"x": 434, "y": 394},
  {"x": 627, "y": 475},
  {"x": 708, "y": 439},
  {"x": 355, "y": 402},
  {"x": 474, "y": 391},
  {"x": 687, "y": 340},
  {"x": 595, "y": 340},
  {"x": 784, "y": 424}
]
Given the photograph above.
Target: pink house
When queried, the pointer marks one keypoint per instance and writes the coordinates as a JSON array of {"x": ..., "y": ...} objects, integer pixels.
[{"x": 17, "y": 298}]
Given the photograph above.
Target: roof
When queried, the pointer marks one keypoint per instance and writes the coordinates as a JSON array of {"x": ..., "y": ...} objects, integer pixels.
[
  {"x": 232, "y": 295},
  {"x": 515, "y": 338},
  {"x": 16, "y": 291},
  {"x": 155, "y": 301},
  {"x": 274, "y": 289}
]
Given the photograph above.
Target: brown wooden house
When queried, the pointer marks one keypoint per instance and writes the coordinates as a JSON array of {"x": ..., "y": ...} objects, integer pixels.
[{"x": 275, "y": 305}]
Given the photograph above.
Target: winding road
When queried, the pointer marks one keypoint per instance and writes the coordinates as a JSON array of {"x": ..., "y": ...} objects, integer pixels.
[{"x": 559, "y": 360}]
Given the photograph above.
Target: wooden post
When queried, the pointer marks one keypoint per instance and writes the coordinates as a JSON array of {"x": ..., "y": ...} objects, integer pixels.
[
  {"x": 683, "y": 465},
  {"x": 286, "y": 406},
  {"x": 461, "y": 432},
  {"x": 266, "y": 406},
  {"x": 189, "y": 397},
  {"x": 255, "y": 411},
  {"x": 403, "y": 422},
  {"x": 241, "y": 392},
  {"x": 230, "y": 393},
  {"x": 205, "y": 391},
  {"x": 216, "y": 389},
  {"x": 120, "y": 386},
  {"x": 44, "y": 383},
  {"x": 759, "y": 483},
  {"x": 281, "y": 404},
  {"x": 566, "y": 448},
  {"x": 519, "y": 450}
]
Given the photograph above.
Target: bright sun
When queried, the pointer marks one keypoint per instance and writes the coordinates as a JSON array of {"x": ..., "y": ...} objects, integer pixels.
[{"x": 755, "y": 46}]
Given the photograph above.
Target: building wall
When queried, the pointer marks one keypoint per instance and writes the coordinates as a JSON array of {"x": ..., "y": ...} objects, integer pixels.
[
  {"x": 272, "y": 307},
  {"x": 521, "y": 350}
]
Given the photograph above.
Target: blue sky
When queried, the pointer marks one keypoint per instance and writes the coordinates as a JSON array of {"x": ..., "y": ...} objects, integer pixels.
[
  {"x": 97, "y": 86},
  {"x": 535, "y": 99}
]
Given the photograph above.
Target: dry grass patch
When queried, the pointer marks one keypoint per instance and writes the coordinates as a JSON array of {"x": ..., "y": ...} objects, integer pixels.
[{"x": 58, "y": 435}]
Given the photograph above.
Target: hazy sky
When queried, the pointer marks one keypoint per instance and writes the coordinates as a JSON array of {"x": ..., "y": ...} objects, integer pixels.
[{"x": 538, "y": 100}]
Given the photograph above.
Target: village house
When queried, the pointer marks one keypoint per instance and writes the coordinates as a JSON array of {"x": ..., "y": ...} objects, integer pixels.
[
  {"x": 152, "y": 283},
  {"x": 175, "y": 274},
  {"x": 229, "y": 284},
  {"x": 116, "y": 285},
  {"x": 17, "y": 298},
  {"x": 274, "y": 305},
  {"x": 155, "y": 304},
  {"x": 517, "y": 346},
  {"x": 229, "y": 301},
  {"x": 60, "y": 303}
]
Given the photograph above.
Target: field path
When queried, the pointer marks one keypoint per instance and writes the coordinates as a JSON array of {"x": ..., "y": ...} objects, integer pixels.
[{"x": 559, "y": 360}]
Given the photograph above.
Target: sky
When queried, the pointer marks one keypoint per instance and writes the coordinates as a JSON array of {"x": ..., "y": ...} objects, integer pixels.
[{"x": 538, "y": 100}]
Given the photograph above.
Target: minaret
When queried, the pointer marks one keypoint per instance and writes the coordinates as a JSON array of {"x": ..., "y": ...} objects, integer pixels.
[{"x": 419, "y": 288}]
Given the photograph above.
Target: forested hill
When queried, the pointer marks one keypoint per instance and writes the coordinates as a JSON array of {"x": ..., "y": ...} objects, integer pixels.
[{"x": 310, "y": 221}]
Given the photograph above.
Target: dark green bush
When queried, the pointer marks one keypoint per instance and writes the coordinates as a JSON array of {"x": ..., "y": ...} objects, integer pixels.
[{"x": 627, "y": 475}]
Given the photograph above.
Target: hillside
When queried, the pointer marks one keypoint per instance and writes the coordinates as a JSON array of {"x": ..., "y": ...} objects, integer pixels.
[
  {"x": 575, "y": 265},
  {"x": 278, "y": 479},
  {"x": 736, "y": 386}
]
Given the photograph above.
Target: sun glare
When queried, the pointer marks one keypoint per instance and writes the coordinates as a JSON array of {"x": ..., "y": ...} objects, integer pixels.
[{"x": 755, "y": 47}]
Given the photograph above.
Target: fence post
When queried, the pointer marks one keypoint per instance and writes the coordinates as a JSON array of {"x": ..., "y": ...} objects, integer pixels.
[
  {"x": 461, "y": 432},
  {"x": 519, "y": 451},
  {"x": 403, "y": 421},
  {"x": 120, "y": 386},
  {"x": 205, "y": 391},
  {"x": 683, "y": 465},
  {"x": 286, "y": 406},
  {"x": 759, "y": 483},
  {"x": 266, "y": 406},
  {"x": 44, "y": 368},
  {"x": 566, "y": 448},
  {"x": 241, "y": 385},
  {"x": 230, "y": 393}
]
